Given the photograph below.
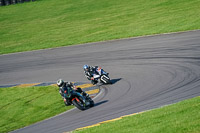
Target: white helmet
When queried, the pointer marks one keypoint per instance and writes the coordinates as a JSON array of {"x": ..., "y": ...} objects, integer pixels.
[{"x": 60, "y": 82}]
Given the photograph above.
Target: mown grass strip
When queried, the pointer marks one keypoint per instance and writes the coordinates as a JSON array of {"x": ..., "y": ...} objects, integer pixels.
[
  {"x": 49, "y": 23},
  {"x": 182, "y": 117},
  {"x": 22, "y": 106}
]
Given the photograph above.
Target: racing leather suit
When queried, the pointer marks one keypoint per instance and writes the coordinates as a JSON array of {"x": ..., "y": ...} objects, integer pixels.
[
  {"x": 89, "y": 74},
  {"x": 63, "y": 89}
]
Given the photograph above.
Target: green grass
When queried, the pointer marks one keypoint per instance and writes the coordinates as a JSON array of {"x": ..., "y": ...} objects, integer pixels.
[
  {"x": 54, "y": 23},
  {"x": 20, "y": 106},
  {"x": 183, "y": 117}
]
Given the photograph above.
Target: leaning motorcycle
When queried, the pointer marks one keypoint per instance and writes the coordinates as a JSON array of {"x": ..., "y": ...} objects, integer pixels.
[
  {"x": 78, "y": 100},
  {"x": 101, "y": 76}
]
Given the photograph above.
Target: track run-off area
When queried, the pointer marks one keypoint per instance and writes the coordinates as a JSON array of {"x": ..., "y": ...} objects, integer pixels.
[{"x": 147, "y": 73}]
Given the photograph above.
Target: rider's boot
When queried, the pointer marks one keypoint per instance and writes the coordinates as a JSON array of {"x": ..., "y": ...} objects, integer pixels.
[
  {"x": 94, "y": 82},
  {"x": 85, "y": 94}
]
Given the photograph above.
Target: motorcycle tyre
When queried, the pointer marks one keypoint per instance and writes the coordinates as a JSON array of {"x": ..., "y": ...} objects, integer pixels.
[
  {"x": 107, "y": 81},
  {"x": 91, "y": 103},
  {"x": 75, "y": 103}
]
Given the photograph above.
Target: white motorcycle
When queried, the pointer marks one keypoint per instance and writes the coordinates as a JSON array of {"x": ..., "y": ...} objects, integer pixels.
[{"x": 101, "y": 76}]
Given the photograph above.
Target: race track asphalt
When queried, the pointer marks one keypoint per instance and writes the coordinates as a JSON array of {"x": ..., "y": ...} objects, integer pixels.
[{"x": 147, "y": 72}]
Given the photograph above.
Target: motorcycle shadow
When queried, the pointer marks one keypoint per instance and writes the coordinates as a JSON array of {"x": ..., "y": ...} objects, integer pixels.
[
  {"x": 99, "y": 103},
  {"x": 113, "y": 81}
]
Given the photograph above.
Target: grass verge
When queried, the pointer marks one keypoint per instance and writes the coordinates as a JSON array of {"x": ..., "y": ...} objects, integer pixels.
[
  {"x": 182, "y": 117},
  {"x": 22, "y": 106},
  {"x": 50, "y": 23}
]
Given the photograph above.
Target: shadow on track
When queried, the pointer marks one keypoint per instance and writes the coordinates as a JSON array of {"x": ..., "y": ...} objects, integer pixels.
[
  {"x": 99, "y": 103},
  {"x": 113, "y": 81}
]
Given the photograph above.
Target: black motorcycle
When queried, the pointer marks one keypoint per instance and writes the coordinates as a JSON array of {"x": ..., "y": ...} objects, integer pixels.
[{"x": 78, "y": 100}]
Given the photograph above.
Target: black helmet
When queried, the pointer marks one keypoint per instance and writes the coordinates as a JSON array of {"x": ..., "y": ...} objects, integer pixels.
[{"x": 60, "y": 82}]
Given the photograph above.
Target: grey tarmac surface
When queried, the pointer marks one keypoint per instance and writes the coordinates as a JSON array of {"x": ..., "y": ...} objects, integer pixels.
[{"x": 147, "y": 72}]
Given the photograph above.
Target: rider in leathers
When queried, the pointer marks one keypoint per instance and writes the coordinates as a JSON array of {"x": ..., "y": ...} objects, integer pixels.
[
  {"x": 63, "y": 90},
  {"x": 89, "y": 71}
]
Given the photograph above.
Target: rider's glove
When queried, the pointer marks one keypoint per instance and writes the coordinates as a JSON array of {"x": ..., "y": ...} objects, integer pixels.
[{"x": 65, "y": 99}]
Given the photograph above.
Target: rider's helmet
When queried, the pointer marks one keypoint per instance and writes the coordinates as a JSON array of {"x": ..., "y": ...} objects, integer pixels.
[
  {"x": 60, "y": 82},
  {"x": 86, "y": 67}
]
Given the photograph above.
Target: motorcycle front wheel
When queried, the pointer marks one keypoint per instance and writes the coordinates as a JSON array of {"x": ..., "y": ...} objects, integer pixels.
[
  {"x": 78, "y": 104},
  {"x": 105, "y": 79}
]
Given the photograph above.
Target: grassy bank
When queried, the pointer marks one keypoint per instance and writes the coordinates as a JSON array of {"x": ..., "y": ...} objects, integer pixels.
[
  {"x": 21, "y": 106},
  {"x": 183, "y": 117},
  {"x": 49, "y": 23}
]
